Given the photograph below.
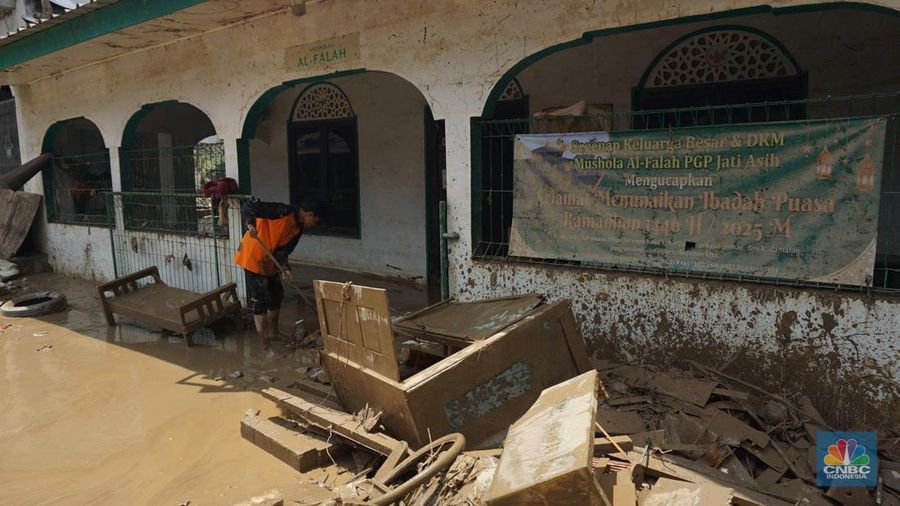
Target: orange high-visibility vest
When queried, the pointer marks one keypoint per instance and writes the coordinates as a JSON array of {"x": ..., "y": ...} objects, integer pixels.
[{"x": 274, "y": 233}]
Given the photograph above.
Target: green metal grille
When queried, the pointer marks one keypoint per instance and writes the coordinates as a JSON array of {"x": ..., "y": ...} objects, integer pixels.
[
  {"x": 75, "y": 187},
  {"x": 158, "y": 180},
  {"x": 492, "y": 181}
]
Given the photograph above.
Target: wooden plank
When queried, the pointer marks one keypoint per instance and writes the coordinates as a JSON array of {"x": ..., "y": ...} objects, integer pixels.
[
  {"x": 548, "y": 452},
  {"x": 302, "y": 452},
  {"x": 340, "y": 423},
  {"x": 604, "y": 445},
  {"x": 356, "y": 324},
  {"x": 734, "y": 394},
  {"x": 17, "y": 212}
]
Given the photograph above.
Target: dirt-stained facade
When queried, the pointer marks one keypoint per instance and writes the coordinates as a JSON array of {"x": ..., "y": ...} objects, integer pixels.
[{"x": 243, "y": 71}]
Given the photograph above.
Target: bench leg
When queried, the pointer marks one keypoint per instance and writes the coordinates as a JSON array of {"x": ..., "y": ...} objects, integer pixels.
[
  {"x": 189, "y": 338},
  {"x": 238, "y": 320},
  {"x": 107, "y": 312}
]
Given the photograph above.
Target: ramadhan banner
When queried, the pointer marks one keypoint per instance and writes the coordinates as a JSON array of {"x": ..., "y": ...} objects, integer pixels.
[{"x": 794, "y": 200}]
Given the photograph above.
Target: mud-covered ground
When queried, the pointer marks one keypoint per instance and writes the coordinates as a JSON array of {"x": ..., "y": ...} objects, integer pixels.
[{"x": 91, "y": 414}]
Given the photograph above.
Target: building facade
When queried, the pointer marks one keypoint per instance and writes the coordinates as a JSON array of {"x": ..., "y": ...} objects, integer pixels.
[{"x": 379, "y": 110}]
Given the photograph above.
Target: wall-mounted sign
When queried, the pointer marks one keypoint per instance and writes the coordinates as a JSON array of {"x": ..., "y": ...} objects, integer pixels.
[
  {"x": 794, "y": 200},
  {"x": 323, "y": 54}
]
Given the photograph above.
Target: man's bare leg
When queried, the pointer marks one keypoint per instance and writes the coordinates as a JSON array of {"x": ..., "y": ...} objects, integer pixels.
[
  {"x": 273, "y": 332},
  {"x": 261, "y": 322}
]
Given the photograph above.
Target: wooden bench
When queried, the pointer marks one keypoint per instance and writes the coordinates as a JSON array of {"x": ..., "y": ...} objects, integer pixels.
[{"x": 173, "y": 309}]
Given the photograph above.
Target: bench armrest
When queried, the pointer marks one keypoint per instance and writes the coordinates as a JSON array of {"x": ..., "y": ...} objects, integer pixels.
[{"x": 210, "y": 303}]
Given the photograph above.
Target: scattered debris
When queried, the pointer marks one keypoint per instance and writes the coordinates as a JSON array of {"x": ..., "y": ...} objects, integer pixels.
[
  {"x": 302, "y": 451},
  {"x": 572, "y": 432},
  {"x": 273, "y": 498},
  {"x": 320, "y": 375},
  {"x": 8, "y": 270},
  {"x": 548, "y": 451},
  {"x": 41, "y": 333},
  {"x": 44, "y": 347},
  {"x": 473, "y": 385},
  {"x": 235, "y": 374},
  {"x": 368, "y": 418},
  {"x": 268, "y": 378},
  {"x": 34, "y": 304},
  {"x": 339, "y": 423}
]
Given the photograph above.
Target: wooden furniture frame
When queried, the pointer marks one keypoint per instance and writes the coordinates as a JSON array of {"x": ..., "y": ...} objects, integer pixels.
[
  {"x": 179, "y": 311},
  {"x": 477, "y": 391}
]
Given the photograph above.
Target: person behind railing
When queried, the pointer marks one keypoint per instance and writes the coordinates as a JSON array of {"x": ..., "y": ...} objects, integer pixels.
[{"x": 273, "y": 230}]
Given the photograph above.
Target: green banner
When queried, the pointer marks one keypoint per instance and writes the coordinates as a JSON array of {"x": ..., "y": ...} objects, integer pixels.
[{"x": 792, "y": 200}]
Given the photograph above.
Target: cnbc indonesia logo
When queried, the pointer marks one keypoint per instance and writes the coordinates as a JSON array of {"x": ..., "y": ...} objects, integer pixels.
[{"x": 847, "y": 461}]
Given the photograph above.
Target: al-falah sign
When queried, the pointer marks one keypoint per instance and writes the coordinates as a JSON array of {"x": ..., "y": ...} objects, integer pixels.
[
  {"x": 792, "y": 200},
  {"x": 323, "y": 54}
]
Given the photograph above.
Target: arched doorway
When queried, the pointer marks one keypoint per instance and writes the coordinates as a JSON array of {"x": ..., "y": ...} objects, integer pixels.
[{"x": 364, "y": 146}]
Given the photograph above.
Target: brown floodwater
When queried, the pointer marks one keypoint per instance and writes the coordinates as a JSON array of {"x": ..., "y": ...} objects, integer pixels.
[{"x": 91, "y": 414}]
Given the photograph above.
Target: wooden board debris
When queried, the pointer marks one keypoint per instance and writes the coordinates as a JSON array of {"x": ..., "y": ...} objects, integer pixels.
[
  {"x": 302, "y": 452},
  {"x": 620, "y": 422},
  {"x": 548, "y": 452},
  {"x": 340, "y": 423},
  {"x": 603, "y": 445},
  {"x": 668, "y": 492},
  {"x": 17, "y": 212}
]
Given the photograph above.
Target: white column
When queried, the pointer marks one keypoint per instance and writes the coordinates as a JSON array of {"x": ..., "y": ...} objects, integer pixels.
[
  {"x": 231, "y": 157},
  {"x": 115, "y": 169},
  {"x": 459, "y": 193}
]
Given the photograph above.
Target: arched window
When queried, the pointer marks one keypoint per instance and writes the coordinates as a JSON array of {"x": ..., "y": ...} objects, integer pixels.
[
  {"x": 169, "y": 150},
  {"x": 322, "y": 139},
  {"x": 74, "y": 186},
  {"x": 721, "y": 66}
]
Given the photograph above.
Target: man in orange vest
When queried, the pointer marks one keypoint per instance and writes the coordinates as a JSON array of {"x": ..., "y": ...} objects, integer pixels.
[{"x": 279, "y": 227}]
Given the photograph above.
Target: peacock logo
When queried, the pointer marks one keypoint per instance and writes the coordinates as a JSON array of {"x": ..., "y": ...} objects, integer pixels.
[
  {"x": 847, "y": 459},
  {"x": 846, "y": 452}
]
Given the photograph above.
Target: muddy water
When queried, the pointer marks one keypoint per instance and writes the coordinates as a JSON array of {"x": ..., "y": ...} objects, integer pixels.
[{"x": 126, "y": 415}]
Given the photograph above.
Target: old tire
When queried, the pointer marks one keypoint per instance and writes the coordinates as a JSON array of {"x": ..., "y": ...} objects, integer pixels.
[{"x": 34, "y": 304}]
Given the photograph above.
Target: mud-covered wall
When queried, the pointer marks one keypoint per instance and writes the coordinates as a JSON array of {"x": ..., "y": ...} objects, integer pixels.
[{"x": 841, "y": 349}]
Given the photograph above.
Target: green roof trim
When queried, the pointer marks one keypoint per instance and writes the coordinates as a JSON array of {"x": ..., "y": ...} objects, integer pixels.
[{"x": 105, "y": 20}]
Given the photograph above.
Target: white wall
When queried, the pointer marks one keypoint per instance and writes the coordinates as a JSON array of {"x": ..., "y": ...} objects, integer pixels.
[
  {"x": 390, "y": 120},
  {"x": 79, "y": 250}
]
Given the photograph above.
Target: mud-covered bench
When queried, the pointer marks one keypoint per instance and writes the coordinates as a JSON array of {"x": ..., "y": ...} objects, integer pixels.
[{"x": 179, "y": 311}]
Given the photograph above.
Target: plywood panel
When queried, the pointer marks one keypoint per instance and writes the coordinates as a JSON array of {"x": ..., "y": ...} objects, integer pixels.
[
  {"x": 548, "y": 451},
  {"x": 17, "y": 212}
]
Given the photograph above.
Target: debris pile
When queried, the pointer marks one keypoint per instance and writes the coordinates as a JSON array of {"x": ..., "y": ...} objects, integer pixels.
[
  {"x": 547, "y": 431},
  {"x": 719, "y": 426}
]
